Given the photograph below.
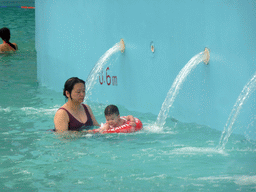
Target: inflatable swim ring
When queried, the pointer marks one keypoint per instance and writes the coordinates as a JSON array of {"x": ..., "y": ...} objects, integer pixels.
[{"x": 126, "y": 128}]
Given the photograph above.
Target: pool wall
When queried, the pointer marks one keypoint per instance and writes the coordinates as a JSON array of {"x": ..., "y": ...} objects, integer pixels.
[{"x": 72, "y": 36}]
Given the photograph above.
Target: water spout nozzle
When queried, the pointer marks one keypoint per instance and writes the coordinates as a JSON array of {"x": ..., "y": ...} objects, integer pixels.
[
  {"x": 206, "y": 56},
  {"x": 122, "y": 45},
  {"x": 152, "y": 48}
]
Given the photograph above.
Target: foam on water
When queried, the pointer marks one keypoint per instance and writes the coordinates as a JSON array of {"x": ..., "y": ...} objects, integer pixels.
[
  {"x": 251, "y": 133},
  {"x": 153, "y": 128},
  {"x": 237, "y": 179},
  {"x": 5, "y": 109},
  {"x": 33, "y": 111},
  {"x": 197, "y": 150}
]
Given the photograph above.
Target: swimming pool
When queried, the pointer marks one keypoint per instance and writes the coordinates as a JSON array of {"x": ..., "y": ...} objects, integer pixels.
[{"x": 179, "y": 157}]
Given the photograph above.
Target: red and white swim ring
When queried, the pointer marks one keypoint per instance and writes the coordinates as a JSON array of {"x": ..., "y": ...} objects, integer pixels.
[{"x": 126, "y": 128}]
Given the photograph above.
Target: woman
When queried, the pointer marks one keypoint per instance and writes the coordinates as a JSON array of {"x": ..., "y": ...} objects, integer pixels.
[
  {"x": 73, "y": 115},
  {"x": 7, "y": 45}
]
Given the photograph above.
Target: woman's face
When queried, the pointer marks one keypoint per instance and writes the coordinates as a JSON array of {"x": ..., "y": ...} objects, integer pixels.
[{"x": 78, "y": 92}]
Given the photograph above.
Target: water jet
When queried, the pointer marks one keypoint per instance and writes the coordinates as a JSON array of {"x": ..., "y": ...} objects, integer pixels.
[
  {"x": 248, "y": 89},
  {"x": 91, "y": 79},
  {"x": 176, "y": 86}
]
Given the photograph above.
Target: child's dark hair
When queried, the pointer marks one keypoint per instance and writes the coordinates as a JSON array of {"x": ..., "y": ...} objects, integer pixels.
[
  {"x": 111, "y": 109},
  {"x": 5, "y": 34},
  {"x": 70, "y": 83}
]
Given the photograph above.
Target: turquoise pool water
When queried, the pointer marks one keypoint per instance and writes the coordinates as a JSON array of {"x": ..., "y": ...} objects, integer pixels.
[{"x": 179, "y": 157}]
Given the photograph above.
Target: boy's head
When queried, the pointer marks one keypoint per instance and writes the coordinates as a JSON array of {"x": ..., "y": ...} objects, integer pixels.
[
  {"x": 111, "y": 109},
  {"x": 112, "y": 115}
]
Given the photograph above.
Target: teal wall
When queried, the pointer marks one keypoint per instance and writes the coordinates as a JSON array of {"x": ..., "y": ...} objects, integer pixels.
[{"x": 72, "y": 35}]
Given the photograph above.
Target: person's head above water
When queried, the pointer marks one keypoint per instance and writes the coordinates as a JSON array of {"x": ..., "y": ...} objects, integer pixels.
[
  {"x": 5, "y": 34},
  {"x": 69, "y": 85},
  {"x": 110, "y": 110}
]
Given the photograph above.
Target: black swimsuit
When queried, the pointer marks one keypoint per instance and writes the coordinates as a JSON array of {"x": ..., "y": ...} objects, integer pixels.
[{"x": 75, "y": 125}]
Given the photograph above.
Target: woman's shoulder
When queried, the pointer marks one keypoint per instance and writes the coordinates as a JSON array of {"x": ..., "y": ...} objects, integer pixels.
[
  {"x": 86, "y": 106},
  {"x": 62, "y": 111}
]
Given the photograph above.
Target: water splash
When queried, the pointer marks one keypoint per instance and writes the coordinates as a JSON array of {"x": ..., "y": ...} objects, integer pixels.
[
  {"x": 173, "y": 92},
  {"x": 249, "y": 134},
  {"x": 91, "y": 79},
  {"x": 248, "y": 89}
]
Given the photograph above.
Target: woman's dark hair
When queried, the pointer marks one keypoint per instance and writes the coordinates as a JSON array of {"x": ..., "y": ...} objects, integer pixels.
[
  {"x": 5, "y": 34},
  {"x": 111, "y": 109},
  {"x": 69, "y": 85}
]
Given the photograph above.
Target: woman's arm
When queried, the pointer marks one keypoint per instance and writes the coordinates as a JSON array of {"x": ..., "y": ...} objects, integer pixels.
[
  {"x": 95, "y": 123},
  {"x": 61, "y": 120}
]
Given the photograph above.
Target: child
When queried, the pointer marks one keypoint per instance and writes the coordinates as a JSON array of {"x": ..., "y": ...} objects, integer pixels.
[{"x": 113, "y": 119}]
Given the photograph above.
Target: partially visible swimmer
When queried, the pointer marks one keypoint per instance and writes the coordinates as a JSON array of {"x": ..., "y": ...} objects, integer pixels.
[{"x": 7, "y": 46}]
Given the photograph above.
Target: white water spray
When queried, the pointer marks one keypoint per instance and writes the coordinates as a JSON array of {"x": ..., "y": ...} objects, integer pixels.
[
  {"x": 248, "y": 89},
  {"x": 181, "y": 77},
  {"x": 91, "y": 79}
]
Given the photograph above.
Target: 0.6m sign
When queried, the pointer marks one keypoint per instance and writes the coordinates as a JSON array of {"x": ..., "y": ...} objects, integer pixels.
[{"x": 107, "y": 78}]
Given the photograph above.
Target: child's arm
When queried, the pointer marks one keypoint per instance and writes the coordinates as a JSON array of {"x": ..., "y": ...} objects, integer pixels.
[
  {"x": 104, "y": 128},
  {"x": 131, "y": 119}
]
